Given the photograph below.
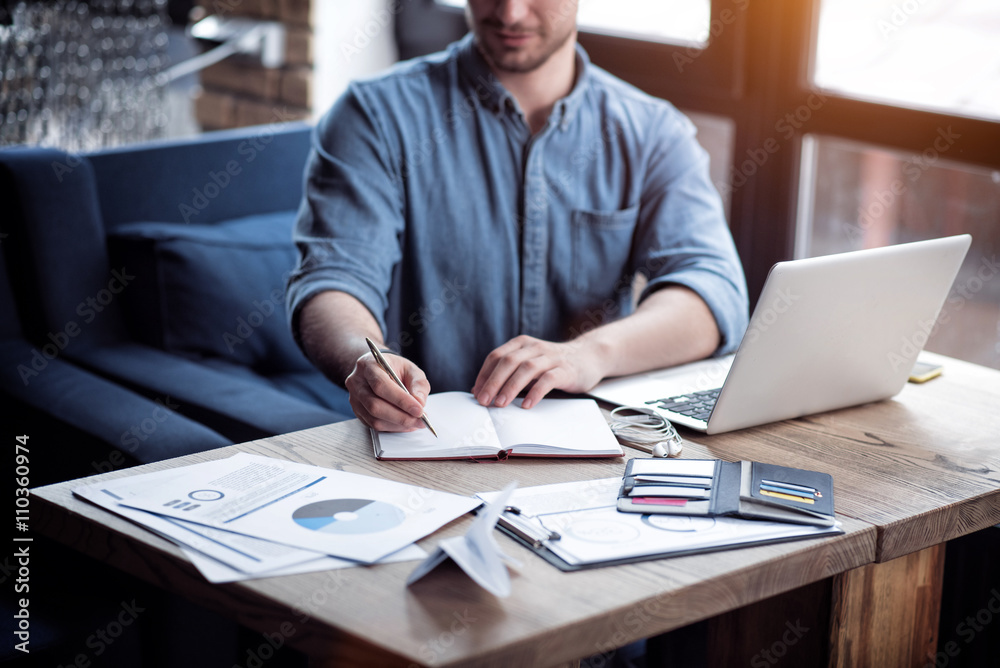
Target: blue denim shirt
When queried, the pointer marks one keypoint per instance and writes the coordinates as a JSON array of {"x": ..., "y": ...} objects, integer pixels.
[{"x": 429, "y": 200}]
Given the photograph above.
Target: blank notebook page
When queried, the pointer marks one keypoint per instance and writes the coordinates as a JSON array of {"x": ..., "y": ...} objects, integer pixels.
[
  {"x": 459, "y": 421},
  {"x": 576, "y": 424}
]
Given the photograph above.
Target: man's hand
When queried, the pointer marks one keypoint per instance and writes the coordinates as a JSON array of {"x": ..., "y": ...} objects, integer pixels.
[
  {"x": 382, "y": 404},
  {"x": 573, "y": 366}
]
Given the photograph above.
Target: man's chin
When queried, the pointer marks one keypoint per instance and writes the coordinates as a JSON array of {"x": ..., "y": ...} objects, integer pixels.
[
  {"x": 512, "y": 60},
  {"x": 517, "y": 65},
  {"x": 517, "y": 59}
]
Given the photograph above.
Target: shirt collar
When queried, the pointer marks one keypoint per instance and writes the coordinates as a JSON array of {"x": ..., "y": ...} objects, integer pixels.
[{"x": 485, "y": 85}]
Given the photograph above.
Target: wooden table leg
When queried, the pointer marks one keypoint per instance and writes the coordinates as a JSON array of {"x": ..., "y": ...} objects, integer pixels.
[
  {"x": 789, "y": 629},
  {"x": 887, "y": 614},
  {"x": 880, "y": 615}
]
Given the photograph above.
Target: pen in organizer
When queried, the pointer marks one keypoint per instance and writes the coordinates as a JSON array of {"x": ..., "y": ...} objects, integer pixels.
[{"x": 392, "y": 374}]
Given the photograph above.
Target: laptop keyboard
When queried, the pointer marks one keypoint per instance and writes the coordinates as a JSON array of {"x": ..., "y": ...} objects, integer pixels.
[{"x": 697, "y": 405}]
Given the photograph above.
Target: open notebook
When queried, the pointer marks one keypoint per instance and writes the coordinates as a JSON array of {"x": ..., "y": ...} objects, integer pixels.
[{"x": 552, "y": 428}]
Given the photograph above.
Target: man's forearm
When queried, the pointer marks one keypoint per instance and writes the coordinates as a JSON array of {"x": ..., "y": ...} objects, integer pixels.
[
  {"x": 671, "y": 326},
  {"x": 333, "y": 326}
]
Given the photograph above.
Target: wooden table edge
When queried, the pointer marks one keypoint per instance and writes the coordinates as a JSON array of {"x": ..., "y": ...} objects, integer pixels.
[{"x": 150, "y": 557}]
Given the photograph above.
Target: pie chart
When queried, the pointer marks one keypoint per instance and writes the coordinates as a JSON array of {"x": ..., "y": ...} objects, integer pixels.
[{"x": 348, "y": 516}]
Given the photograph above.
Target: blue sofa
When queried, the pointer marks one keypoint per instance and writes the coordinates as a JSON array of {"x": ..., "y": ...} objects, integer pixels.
[{"x": 142, "y": 294}]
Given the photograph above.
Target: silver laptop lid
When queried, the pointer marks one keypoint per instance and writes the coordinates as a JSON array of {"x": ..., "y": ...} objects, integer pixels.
[{"x": 836, "y": 331}]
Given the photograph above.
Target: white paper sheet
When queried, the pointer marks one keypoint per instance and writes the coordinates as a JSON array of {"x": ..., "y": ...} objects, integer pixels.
[
  {"x": 347, "y": 515},
  {"x": 222, "y": 556},
  {"x": 217, "y": 572},
  {"x": 243, "y": 553}
]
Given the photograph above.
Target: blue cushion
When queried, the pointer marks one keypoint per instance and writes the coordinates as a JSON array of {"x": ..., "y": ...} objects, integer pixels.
[
  {"x": 309, "y": 386},
  {"x": 209, "y": 178},
  {"x": 239, "y": 406},
  {"x": 214, "y": 290},
  {"x": 148, "y": 430},
  {"x": 58, "y": 261}
]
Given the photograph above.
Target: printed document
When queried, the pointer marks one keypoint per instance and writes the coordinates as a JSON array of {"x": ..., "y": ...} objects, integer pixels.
[
  {"x": 220, "y": 556},
  {"x": 346, "y": 515}
]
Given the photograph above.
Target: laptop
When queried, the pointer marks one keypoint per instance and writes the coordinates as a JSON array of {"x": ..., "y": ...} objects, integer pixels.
[{"x": 828, "y": 332}]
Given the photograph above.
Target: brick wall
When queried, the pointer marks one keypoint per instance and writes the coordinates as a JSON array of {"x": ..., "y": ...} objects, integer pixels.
[{"x": 238, "y": 91}]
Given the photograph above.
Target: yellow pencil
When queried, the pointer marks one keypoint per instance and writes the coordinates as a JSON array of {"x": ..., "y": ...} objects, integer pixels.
[{"x": 789, "y": 497}]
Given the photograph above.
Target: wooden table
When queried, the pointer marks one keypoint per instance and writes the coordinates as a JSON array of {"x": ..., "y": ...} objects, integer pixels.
[
  {"x": 905, "y": 482},
  {"x": 923, "y": 468}
]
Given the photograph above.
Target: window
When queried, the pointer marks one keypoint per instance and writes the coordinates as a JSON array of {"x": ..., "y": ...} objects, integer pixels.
[
  {"x": 926, "y": 54},
  {"x": 859, "y": 196},
  {"x": 914, "y": 87},
  {"x": 678, "y": 21}
]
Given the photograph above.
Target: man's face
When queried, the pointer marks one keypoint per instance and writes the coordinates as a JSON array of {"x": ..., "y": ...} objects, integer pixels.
[{"x": 520, "y": 35}]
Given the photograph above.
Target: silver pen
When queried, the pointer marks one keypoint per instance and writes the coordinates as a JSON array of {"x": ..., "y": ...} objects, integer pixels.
[{"x": 382, "y": 362}]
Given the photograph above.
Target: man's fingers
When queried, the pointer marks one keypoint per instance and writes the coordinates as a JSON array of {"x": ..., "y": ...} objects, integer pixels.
[
  {"x": 380, "y": 402},
  {"x": 382, "y": 416},
  {"x": 493, "y": 359},
  {"x": 382, "y": 385},
  {"x": 545, "y": 383},
  {"x": 527, "y": 371},
  {"x": 493, "y": 388},
  {"x": 415, "y": 380},
  {"x": 529, "y": 363}
]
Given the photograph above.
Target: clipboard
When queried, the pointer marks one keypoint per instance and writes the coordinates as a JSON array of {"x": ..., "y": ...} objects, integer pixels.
[{"x": 574, "y": 528}]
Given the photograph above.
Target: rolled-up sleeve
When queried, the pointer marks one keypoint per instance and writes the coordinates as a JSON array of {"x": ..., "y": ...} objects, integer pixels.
[
  {"x": 351, "y": 217},
  {"x": 682, "y": 235}
]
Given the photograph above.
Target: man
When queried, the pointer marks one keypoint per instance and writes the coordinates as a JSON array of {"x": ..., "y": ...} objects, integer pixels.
[{"x": 488, "y": 207}]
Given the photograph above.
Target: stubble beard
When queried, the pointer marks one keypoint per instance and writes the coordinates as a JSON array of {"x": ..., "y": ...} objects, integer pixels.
[{"x": 515, "y": 61}]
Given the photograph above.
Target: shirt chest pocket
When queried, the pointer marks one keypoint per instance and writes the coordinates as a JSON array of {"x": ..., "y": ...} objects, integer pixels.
[{"x": 601, "y": 245}]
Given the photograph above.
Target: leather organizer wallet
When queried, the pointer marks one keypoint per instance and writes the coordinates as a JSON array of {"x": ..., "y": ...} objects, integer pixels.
[{"x": 712, "y": 487}]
